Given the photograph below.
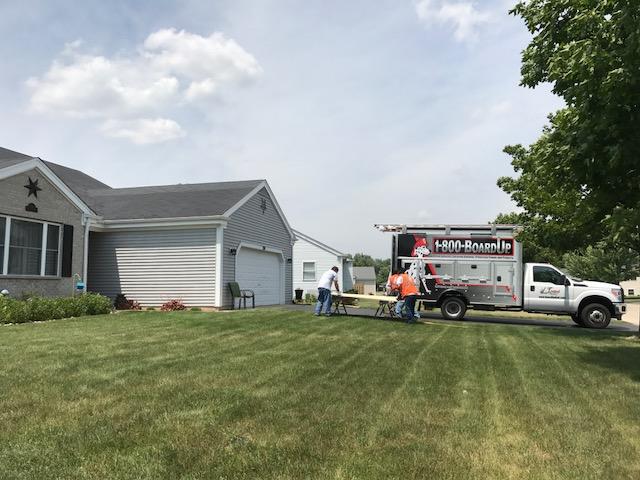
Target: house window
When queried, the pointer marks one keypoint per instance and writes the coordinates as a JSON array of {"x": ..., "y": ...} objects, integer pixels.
[
  {"x": 29, "y": 248},
  {"x": 308, "y": 271},
  {"x": 631, "y": 291}
]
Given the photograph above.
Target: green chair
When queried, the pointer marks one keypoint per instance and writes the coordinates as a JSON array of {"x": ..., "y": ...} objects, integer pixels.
[{"x": 241, "y": 295}]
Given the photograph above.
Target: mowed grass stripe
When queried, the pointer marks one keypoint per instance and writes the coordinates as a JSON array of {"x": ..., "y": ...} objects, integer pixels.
[
  {"x": 617, "y": 434},
  {"x": 279, "y": 394}
]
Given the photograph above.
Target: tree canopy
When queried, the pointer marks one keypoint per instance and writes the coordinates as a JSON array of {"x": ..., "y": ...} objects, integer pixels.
[
  {"x": 601, "y": 262},
  {"x": 579, "y": 183}
]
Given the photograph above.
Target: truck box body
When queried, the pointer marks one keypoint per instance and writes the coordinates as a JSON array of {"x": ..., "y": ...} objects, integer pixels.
[{"x": 484, "y": 263}]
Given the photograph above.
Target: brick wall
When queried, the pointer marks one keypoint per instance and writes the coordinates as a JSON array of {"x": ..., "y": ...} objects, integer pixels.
[{"x": 54, "y": 207}]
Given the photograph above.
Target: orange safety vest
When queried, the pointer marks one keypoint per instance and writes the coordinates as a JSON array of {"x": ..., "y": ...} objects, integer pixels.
[{"x": 407, "y": 287}]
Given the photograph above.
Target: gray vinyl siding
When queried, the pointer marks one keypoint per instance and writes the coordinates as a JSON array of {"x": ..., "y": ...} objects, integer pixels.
[
  {"x": 250, "y": 225},
  {"x": 152, "y": 267}
]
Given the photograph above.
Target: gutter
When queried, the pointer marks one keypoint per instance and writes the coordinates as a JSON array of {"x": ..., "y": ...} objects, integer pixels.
[{"x": 169, "y": 222}]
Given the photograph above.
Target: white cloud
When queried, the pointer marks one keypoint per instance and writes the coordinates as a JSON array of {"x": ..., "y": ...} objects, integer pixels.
[
  {"x": 170, "y": 70},
  {"x": 214, "y": 59},
  {"x": 143, "y": 131},
  {"x": 463, "y": 17},
  {"x": 94, "y": 86}
]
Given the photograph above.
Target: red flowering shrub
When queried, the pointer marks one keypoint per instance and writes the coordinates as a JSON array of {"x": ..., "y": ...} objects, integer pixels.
[{"x": 173, "y": 305}]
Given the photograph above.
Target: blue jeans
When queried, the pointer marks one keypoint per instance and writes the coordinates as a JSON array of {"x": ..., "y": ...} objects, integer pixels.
[
  {"x": 399, "y": 307},
  {"x": 410, "y": 307},
  {"x": 324, "y": 300}
]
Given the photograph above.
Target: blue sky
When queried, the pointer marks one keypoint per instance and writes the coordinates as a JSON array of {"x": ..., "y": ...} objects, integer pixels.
[{"x": 356, "y": 112}]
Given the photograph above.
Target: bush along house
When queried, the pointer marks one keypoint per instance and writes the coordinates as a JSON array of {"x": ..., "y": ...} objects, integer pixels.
[{"x": 62, "y": 231}]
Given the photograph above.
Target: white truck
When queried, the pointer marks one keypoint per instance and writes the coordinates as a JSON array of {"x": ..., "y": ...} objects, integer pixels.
[{"x": 480, "y": 267}]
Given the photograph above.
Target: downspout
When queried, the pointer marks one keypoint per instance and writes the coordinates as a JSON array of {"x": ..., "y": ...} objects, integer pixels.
[
  {"x": 85, "y": 261},
  {"x": 219, "y": 264}
]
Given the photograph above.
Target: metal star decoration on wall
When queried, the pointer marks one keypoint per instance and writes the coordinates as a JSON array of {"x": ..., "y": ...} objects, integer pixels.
[{"x": 33, "y": 188}]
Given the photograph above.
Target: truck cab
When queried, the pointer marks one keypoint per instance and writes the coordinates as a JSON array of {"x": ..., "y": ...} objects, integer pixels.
[{"x": 591, "y": 304}]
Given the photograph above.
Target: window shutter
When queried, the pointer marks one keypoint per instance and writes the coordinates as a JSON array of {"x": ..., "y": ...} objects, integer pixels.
[{"x": 67, "y": 250}]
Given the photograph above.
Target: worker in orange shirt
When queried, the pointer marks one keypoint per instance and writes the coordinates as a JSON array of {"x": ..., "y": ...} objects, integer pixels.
[
  {"x": 392, "y": 289},
  {"x": 408, "y": 292}
]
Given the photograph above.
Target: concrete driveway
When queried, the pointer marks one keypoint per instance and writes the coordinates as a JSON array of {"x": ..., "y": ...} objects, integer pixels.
[{"x": 633, "y": 314}]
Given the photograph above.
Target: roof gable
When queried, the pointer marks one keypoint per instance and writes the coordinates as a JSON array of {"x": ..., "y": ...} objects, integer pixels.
[
  {"x": 313, "y": 241},
  {"x": 10, "y": 169},
  {"x": 263, "y": 185}
]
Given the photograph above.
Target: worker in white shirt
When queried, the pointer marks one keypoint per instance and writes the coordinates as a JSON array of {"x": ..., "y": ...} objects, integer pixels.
[{"x": 324, "y": 290}]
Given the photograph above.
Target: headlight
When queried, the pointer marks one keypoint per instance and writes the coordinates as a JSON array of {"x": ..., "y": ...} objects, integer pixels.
[{"x": 617, "y": 292}]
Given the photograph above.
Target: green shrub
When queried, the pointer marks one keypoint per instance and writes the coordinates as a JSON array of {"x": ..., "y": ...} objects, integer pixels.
[
  {"x": 122, "y": 303},
  {"x": 38, "y": 309},
  {"x": 151, "y": 309},
  {"x": 310, "y": 298},
  {"x": 195, "y": 309}
]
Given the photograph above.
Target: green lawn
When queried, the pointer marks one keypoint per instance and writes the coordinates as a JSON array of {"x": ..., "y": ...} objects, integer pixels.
[{"x": 279, "y": 394}]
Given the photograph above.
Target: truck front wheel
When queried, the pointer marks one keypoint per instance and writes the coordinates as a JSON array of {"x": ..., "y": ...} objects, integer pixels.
[
  {"x": 577, "y": 319},
  {"x": 595, "y": 315},
  {"x": 453, "y": 308}
]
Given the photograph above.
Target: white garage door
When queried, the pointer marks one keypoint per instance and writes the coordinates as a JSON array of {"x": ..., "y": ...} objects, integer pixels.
[{"x": 260, "y": 271}]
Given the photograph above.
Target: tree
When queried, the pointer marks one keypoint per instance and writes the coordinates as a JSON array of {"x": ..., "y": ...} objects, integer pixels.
[
  {"x": 602, "y": 262},
  {"x": 383, "y": 267},
  {"x": 578, "y": 184},
  {"x": 363, "y": 260}
]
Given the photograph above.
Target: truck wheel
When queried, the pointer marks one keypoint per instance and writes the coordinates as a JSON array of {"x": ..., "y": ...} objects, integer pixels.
[
  {"x": 453, "y": 308},
  {"x": 596, "y": 315},
  {"x": 577, "y": 319}
]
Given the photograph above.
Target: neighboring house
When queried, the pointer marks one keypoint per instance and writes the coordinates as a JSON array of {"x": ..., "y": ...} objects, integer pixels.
[
  {"x": 59, "y": 226},
  {"x": 364, "y": 279},
  {"x": 631, "y": 287},
  {"x": 312, "y": 258}
]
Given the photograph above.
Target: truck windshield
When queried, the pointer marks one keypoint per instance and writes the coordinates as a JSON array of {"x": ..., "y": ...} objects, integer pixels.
[{"x": 547, "y": 275}]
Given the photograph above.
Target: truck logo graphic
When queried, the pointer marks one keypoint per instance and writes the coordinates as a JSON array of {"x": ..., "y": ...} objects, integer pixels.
[
  {"x": 420, "y": 248},
  {"x": 550, "y": 291}
]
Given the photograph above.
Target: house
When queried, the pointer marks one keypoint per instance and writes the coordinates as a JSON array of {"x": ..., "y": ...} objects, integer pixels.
[
  {"x": 631, "y": 287},
  {"x": 364, "y": 279},
  {"x": 311, "y": 258},
  {"x": 62, "y": 230}
]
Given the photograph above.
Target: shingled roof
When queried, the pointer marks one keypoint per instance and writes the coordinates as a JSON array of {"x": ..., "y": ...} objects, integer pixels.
[
  {"x": 364, "y": 273},
  {"x": 9, "y": 158},
  {"x": 168, "y": 201},
  {"x": 76, "y": 180}
]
